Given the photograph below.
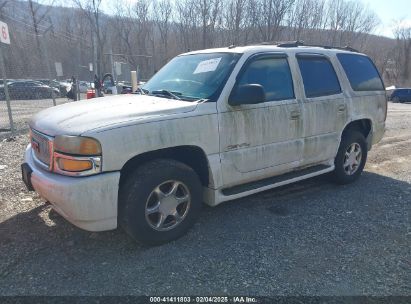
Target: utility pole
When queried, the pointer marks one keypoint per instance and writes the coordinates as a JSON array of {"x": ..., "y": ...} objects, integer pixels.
[
  {"x": 96, "y": 69},
  {"x": 45, "y": 50}
]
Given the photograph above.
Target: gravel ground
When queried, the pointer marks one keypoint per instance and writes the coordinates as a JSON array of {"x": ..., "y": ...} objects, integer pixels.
[{"x": 310, "y": 238}]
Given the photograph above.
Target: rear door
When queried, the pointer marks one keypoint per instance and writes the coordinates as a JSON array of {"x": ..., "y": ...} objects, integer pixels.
[
  {"x": 324, "y": 107},
  {"x": 365, "y": 88}
]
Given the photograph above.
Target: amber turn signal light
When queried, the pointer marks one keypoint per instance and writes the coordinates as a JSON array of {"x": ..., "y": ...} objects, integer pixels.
[{"x": 73, "y": 165}]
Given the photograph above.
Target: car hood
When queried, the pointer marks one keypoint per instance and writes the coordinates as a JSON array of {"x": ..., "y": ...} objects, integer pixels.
[{"x": 96, "y": 114}]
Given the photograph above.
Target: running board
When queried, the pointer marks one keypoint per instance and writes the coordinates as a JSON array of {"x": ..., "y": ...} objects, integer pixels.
[{"x": 276, "y": 181}]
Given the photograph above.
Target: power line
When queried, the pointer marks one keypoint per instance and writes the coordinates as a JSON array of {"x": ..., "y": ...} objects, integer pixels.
[{"x": 43, "y": 27}]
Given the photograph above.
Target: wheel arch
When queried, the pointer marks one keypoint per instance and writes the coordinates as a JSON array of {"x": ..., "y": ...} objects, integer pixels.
[
  {"x": 363, "y": 125},
  {"x": 192, "y": 156}
]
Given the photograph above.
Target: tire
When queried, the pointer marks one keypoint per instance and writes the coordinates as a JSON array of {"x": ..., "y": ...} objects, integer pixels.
[
  {"x": 138, "y": 200},
  {"x": 395, "y": 100},
  {"x": 351, "y": 143}
]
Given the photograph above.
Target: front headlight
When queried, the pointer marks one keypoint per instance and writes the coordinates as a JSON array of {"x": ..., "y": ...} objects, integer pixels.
[
  {"x": 77, "y": 155},
  {"x": 77, "y": 145}
]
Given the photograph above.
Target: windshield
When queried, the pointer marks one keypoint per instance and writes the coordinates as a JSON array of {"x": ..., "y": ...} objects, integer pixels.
[{"x": 193, "y": 77}]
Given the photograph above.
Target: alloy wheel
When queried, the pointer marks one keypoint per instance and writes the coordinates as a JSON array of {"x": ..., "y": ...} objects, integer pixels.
[
  {"x": 167, "y": 205},
  {"x": 352, "y": 158}
]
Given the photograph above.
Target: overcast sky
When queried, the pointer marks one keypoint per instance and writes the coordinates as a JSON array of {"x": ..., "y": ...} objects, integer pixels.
[{"x": 387, "y": 10}]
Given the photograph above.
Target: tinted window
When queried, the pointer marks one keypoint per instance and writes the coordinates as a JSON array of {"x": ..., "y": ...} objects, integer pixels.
[
  {"x": 361, "y": 72},
  {"x": 318, "y": 76},
  {"x": 17, "y": 84},
  {"x": 26, "y": 84},
  {"x": 273, "y": 74}
]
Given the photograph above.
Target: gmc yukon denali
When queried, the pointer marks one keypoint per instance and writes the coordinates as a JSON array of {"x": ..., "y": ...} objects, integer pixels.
[{"x": 211, "y": 126}]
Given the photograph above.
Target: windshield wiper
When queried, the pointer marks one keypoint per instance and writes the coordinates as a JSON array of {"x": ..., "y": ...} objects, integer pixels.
[
  {"x": 201, "y": 100},
  {"x": 167, "y": 93},
  {"x": 141, "y": 91}
]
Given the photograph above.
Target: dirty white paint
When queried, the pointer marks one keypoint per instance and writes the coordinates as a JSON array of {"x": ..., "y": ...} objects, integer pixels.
[
  {"x": 242, "y": 143},
  {"x": 89, "y": 203}
]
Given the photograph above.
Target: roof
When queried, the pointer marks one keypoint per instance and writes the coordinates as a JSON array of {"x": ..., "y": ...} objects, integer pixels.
[{"x": 281, "y": 47}]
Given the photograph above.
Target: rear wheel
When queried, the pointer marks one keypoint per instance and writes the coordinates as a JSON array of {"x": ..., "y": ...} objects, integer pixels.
[
  {"x": 159, "y": 201},
  {"x": 351, "y": 158},
  {"x": 395, "y": 100}
]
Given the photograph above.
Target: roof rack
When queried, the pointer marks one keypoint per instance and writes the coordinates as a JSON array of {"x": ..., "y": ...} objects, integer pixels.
[
  {"x": 290, "y": 43},
  {"x": 298, "y": 43}
]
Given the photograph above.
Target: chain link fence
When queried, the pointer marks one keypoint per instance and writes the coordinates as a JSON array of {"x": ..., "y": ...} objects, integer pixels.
[
  {"x": 36, "y": 75},
  {"x": 38, "y": 70}
]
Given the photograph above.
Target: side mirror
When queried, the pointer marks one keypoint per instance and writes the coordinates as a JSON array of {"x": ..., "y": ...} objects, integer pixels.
[{"x": 247, "y": 94}]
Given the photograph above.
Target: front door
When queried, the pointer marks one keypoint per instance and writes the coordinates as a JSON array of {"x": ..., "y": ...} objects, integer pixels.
[{"x": 261, "y": 140}]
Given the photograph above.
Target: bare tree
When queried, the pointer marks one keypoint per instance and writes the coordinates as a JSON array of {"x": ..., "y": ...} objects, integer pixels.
[
  {"x": 402, "y": 34},
  {"x": 234, "y": 19},
  {"x": 91, "y": 10},
  {"x": 162, "y": 13},
  {"x": 305, "y": 15},
  {"x": 187, "y": 19},
  {"x": 347, "y": 20},
  {"x": 39, "y": 13},
  {"x": 162, "y": 28},
  {"x": 272, "y": 15},
  {"x": 252, "y": 19},
  {"x": 210, "y": 18},
  {"x": 144, "y": 30},
  {"x": 3, "y": 4},
  {"x": 123, "y": 39}
]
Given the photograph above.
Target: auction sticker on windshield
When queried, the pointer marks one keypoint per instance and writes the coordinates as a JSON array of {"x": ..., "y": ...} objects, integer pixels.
[{"x": 207, "y": 65}]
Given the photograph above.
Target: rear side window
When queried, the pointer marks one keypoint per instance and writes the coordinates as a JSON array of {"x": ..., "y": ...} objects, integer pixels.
[
  {"x": 361, "y": 72},
  {"x": 319, "y": 76}
]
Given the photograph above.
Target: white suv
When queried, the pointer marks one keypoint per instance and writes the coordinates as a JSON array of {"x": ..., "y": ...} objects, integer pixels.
[{"x": 210, "y": 126}]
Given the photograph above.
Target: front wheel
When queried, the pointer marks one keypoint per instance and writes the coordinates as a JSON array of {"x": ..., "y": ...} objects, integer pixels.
[
  {"x": 159, "y": 201},
  {"x": 351, "y": 158}
]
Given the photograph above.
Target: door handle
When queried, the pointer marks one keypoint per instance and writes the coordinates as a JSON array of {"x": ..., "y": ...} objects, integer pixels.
[
  {"x": 341, "y": 108},
  {"x": 295, "y": 115}
]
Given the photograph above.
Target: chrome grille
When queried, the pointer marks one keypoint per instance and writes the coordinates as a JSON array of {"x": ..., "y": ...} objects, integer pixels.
[{"x": 41, "y": 145}]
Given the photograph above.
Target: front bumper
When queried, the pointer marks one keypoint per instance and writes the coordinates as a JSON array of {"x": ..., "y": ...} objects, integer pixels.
[{"x": 89, "y": 202}]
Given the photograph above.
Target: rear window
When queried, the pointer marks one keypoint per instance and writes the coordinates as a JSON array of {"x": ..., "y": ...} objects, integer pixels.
[
  {"x": 318, "y": 75},
  {"x": 361, "y": 72}
]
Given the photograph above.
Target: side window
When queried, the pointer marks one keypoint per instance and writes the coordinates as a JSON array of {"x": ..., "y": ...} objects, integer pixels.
[
  {"x": 273, "y": 74},
  {"x": 318, "y": 75},
  {"x": 361, "y": 72}
]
